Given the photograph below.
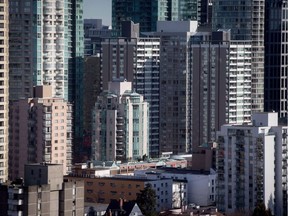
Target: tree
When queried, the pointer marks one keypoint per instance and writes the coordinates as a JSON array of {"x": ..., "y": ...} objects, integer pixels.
[
  {"x": 146, "y": 201},
  {"x": 260, "y": 210}
]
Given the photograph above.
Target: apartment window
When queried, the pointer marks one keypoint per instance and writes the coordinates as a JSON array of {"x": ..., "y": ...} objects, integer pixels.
[
  {"x": 89, "y": 191},
  {"x": 101, "y": 183},
  {"x": 113, "y": 192}
]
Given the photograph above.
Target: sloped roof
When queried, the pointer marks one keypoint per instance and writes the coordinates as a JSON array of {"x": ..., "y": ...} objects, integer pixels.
[{"x": 128, "y": 208}]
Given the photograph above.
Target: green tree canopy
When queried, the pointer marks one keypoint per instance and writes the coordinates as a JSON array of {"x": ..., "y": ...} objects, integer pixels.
[
  {"x": 260, "y": 210},
  {"x": 146, "y": 201}
]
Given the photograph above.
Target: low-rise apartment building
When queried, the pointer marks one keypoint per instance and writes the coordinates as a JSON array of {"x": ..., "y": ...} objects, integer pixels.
[
  {"x": 104, "y": 189},
  {"x": 43, "y": 192}
]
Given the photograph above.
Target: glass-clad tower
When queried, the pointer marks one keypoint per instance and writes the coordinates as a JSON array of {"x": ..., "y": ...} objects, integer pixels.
[
  {"x": 276, "y": 84},
  {"x": 148, "y": 12},
  {"x": 276, "y": 57},
  {"x": 42, "y": 46},
  {"x": 245, "y": 19}
]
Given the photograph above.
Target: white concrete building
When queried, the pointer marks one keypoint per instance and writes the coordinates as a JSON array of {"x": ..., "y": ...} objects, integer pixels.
[
  {"x": 198, "y": 187},
  {"x": 120, "y": 124},
  {"x": 239, "y": 83},
  {"x": 252, "y": 165}
]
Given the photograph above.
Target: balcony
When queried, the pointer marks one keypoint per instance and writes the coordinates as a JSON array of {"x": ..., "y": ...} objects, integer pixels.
[{"x": 15, "y": 202}]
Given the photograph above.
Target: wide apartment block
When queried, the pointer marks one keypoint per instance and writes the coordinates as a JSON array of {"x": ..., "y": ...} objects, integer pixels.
[
  {"x": 120, "y": 124},
  {"x": 205, "y": 82},
  {"x": 103, "y": 189},
  {"x": 40, "y": 131},
  {"x": 252, "y": 165},
  {"x": 43, "y": 192},
  {"x": 4, "y": 89},
  {"x": 196, "y": 186}
]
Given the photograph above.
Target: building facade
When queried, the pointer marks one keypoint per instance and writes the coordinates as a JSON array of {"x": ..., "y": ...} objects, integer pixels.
[
  {"x": 138, "y": 61},
  {"x": 120, "y": 124},
  {"x": 47, "y": 48},
  {"x": 43, "y": 192},
  {"x": 208, "y": 84},
  {"x": 191, "y": 186},
  {"x": 40, "y": 131},
  {"x": 43, "y": 46},
  {"x": 102, "y": 190},
  {"x": 4, "y": 90},
  {"x": 173, "y": 131},
  {"x": 245, "y": 19},
  {"x": 148, "y": 12},
  {"x": 252, "y": 165},
  {"x": 94, "y": 33},
  {"x": 276, "y": 58}
]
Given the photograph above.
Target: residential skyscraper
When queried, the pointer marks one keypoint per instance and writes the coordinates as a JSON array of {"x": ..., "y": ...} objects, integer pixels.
[
  {"x": 245, "y": 19},
  {"x": 276, "y": 58},
  {"x": 120, "y": 124},
  {"x": 205, "y": 82},
  {"x": 4, "y": 89},
  {"x": 175, "y": 136},
  {"x": 46, "y": 48},
  {"x": 138, "y": 61},
  {"x": 148, "y": 12},
  {"x": 40, "y": 131},
  {"x": 44, "y": 42}
]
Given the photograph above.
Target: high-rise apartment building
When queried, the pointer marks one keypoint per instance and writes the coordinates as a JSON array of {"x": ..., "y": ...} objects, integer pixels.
[
  {"x": 205, "y": 82},
  {"x": 4, "y": 89},
  {"x": 208, "y": 83},
  {"x": 40, "y": 131},
  {"x": 252, "y": 165},
  {"x": 276, "y": 57},
  {"x": 46, "y": 48},
  {"x": 138, "y": 61},
  {"x": 245, "y": 19},
  {"x": 148, "y": 12},
  {"x": 45, "y": 42},
  {"x": 174, "y": 133},
  {"x": 43, "y": 192},
  {"x": 120, "y": 124}
]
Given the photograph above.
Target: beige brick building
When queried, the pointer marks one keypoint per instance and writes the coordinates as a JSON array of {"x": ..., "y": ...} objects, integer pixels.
[{"x": 40, "y": 131}]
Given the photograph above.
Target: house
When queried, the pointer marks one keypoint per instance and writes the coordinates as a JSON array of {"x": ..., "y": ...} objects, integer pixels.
[{"x": 123, "y": 208}]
